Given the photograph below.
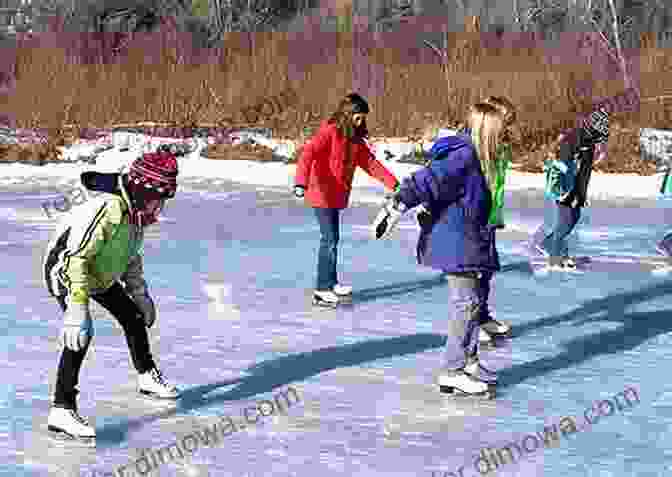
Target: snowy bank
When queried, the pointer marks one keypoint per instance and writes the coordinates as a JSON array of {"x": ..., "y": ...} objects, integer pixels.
[{"x": 196, "y": 170}]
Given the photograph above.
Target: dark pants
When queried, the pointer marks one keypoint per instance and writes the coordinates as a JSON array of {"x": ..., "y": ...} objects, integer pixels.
[
  {"x": 566, "y": 219},
  {"x": 327, "y": 259},
  {"x": 119, "y": 304},
  {"x": 483, "y": 292}
]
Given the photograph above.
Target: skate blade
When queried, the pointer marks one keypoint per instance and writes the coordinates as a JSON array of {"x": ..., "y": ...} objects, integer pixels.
[
  {"x": 325, "y": 304},
  {"x": 61, "y": 437},
  {"x": 456, "y": 393},
  {"x": 661, "y": 271},
  {"x": 156, "y": 397}
]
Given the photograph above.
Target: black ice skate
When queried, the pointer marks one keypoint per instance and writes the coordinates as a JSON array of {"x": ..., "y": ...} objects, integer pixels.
[
  {"x": 461, "y": 384},
  {"x": 66, "y": 425}
]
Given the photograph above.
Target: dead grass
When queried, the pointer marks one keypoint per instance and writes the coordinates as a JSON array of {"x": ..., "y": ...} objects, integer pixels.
[{"x": 158, "y": 79}]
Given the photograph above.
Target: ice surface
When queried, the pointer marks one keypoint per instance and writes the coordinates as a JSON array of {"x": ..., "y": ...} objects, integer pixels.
[{"x": 231, "y": 268}]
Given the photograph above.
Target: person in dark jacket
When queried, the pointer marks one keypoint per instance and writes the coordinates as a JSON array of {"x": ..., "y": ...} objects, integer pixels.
[
  {"x": 325, "y": 173},
  {"x": 458, "y": 239},
  {"x": 578, "y": 146}
]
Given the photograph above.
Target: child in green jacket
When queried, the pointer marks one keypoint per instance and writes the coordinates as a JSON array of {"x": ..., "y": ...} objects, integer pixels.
[{"x": 96, "y": 254}]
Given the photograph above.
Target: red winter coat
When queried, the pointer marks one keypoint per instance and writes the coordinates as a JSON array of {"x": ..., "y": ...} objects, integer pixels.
[{"x": 322, "y": 170}]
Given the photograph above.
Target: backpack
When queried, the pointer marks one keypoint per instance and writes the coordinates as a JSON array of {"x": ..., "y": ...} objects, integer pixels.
[{"x": 560, "y": 178}]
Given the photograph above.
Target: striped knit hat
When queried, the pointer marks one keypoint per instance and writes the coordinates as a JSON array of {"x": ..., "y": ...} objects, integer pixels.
[
  {"x": 596, "y": 126},
  {"x": 155, "y": 171}
]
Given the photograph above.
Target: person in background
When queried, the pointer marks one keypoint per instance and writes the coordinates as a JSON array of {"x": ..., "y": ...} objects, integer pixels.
[
  {"x": 567, "y": 185},
  {"x": 324, "y": 176}
]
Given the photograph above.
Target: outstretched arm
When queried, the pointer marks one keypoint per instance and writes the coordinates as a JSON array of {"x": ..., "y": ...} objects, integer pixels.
[{"x": 375, "y": 169}]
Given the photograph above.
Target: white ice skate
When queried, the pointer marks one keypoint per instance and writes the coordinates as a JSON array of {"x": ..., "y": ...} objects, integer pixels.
[
  {"x": 496, "y": 327},
  {"x": 474, "y": 369},
  {"x": 68, "y": 425},
  {"x": 325, "y": 298},
  {"x": 342, "y": 290},
  {"x": 462, "y": 384},
  {"x": 153, "y": 384},
  {"x": 484, "y": 338}
]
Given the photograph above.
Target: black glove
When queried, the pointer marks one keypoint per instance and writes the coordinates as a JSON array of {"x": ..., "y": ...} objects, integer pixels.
[
  {"x": 299, "y": 191},
  {"x": 424, "y": 218}
]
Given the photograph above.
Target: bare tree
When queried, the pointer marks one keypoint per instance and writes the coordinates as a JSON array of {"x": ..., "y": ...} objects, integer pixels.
[{"x": 247, "y": 15}]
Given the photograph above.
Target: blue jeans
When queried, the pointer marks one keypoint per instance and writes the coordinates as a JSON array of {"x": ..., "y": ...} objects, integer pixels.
[
  {"x": 566, "y": 219},
  {"x": 327, "y": 258},
  {"x": 462, "y": 337}
]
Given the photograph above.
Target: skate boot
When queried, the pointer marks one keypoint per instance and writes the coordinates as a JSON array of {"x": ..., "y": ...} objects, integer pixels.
[
  {"x": 485, "y": 339},
  {"x": 67, "y": 425},
  {"x": 342, "y": 290},
  {"x": 459, "y": 383},
  {"x": 152, "y": 384},
  {"x": 562, "y": 264},
  {"x": 496, "y": 328},
  {"x": 474, "y": 369},
  {"x": 325, "y": 298}
]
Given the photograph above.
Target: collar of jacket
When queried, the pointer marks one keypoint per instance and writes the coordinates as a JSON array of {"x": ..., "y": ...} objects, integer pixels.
[{"x": 124, "y": 193}]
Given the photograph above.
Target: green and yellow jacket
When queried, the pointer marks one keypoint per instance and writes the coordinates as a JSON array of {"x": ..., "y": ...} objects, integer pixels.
[{"x": 95, "y": 245}]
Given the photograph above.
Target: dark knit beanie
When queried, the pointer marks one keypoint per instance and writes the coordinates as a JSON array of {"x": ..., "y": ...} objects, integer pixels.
[
  {"x": 359, "y": 104},
  {"x": 596, "y": 126}
]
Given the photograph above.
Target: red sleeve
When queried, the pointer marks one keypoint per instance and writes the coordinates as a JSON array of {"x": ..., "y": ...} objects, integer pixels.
[
  {"x": 376, "y": 170},
  {"x": 317, "y": 145}
]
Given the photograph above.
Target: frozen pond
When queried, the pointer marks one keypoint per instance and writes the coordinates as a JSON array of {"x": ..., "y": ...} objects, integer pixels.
[{"x": 231, "y": 269}]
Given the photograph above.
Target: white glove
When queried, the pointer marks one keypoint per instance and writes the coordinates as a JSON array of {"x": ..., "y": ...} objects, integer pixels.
[
  {"x": 77, "y": 327},
  {"x": 387, "y": 218},
  {"x": 146, "y": 305}
]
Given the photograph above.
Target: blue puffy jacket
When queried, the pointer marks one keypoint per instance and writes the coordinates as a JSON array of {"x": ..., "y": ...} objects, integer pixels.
[{"x": 455, "y": 191}]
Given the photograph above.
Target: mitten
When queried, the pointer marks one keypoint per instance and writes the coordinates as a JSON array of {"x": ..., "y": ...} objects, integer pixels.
[{"x": 77, "y": 326}]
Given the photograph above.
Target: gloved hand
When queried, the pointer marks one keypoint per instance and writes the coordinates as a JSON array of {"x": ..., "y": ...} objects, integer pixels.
[
  {"x": 77, "y": 327},
  {"x": 146, "y": 305},
  {"x": 424, "y": 217},
  {"x": 388, "y": 217},
  {"x": 299, "y": 191}
]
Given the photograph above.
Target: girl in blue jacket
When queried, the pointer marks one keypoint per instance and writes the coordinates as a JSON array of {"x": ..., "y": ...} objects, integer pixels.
[{"x": 458, "y": 239}]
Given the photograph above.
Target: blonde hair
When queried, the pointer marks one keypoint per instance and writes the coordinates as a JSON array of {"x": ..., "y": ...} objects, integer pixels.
[{"x": 487, "y": 124}]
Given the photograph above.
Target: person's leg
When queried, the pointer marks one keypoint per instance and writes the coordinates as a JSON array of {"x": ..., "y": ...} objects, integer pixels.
[
  {"x": 566, "y": 221},
  {"x": 328, "y": 220},
  {"x": 665, "y": 245},
  {"x": 462, "y": 337},
  {"x": 125, "y": 311},
  {"x": 67, "y": 376},
  {"x": 483, "y": 292}
]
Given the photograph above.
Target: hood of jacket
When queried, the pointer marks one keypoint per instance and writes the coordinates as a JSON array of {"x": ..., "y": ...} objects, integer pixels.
[
  {"x": 108, "y": 182},
  {"x": 445, "y": 145}
]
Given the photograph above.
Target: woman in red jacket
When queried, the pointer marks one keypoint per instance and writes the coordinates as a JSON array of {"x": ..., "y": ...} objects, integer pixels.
[{"x": 324, "y": 174}]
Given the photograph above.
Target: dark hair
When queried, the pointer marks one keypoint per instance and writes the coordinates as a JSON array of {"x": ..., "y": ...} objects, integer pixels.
[{"x": 351, "y": 104}]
